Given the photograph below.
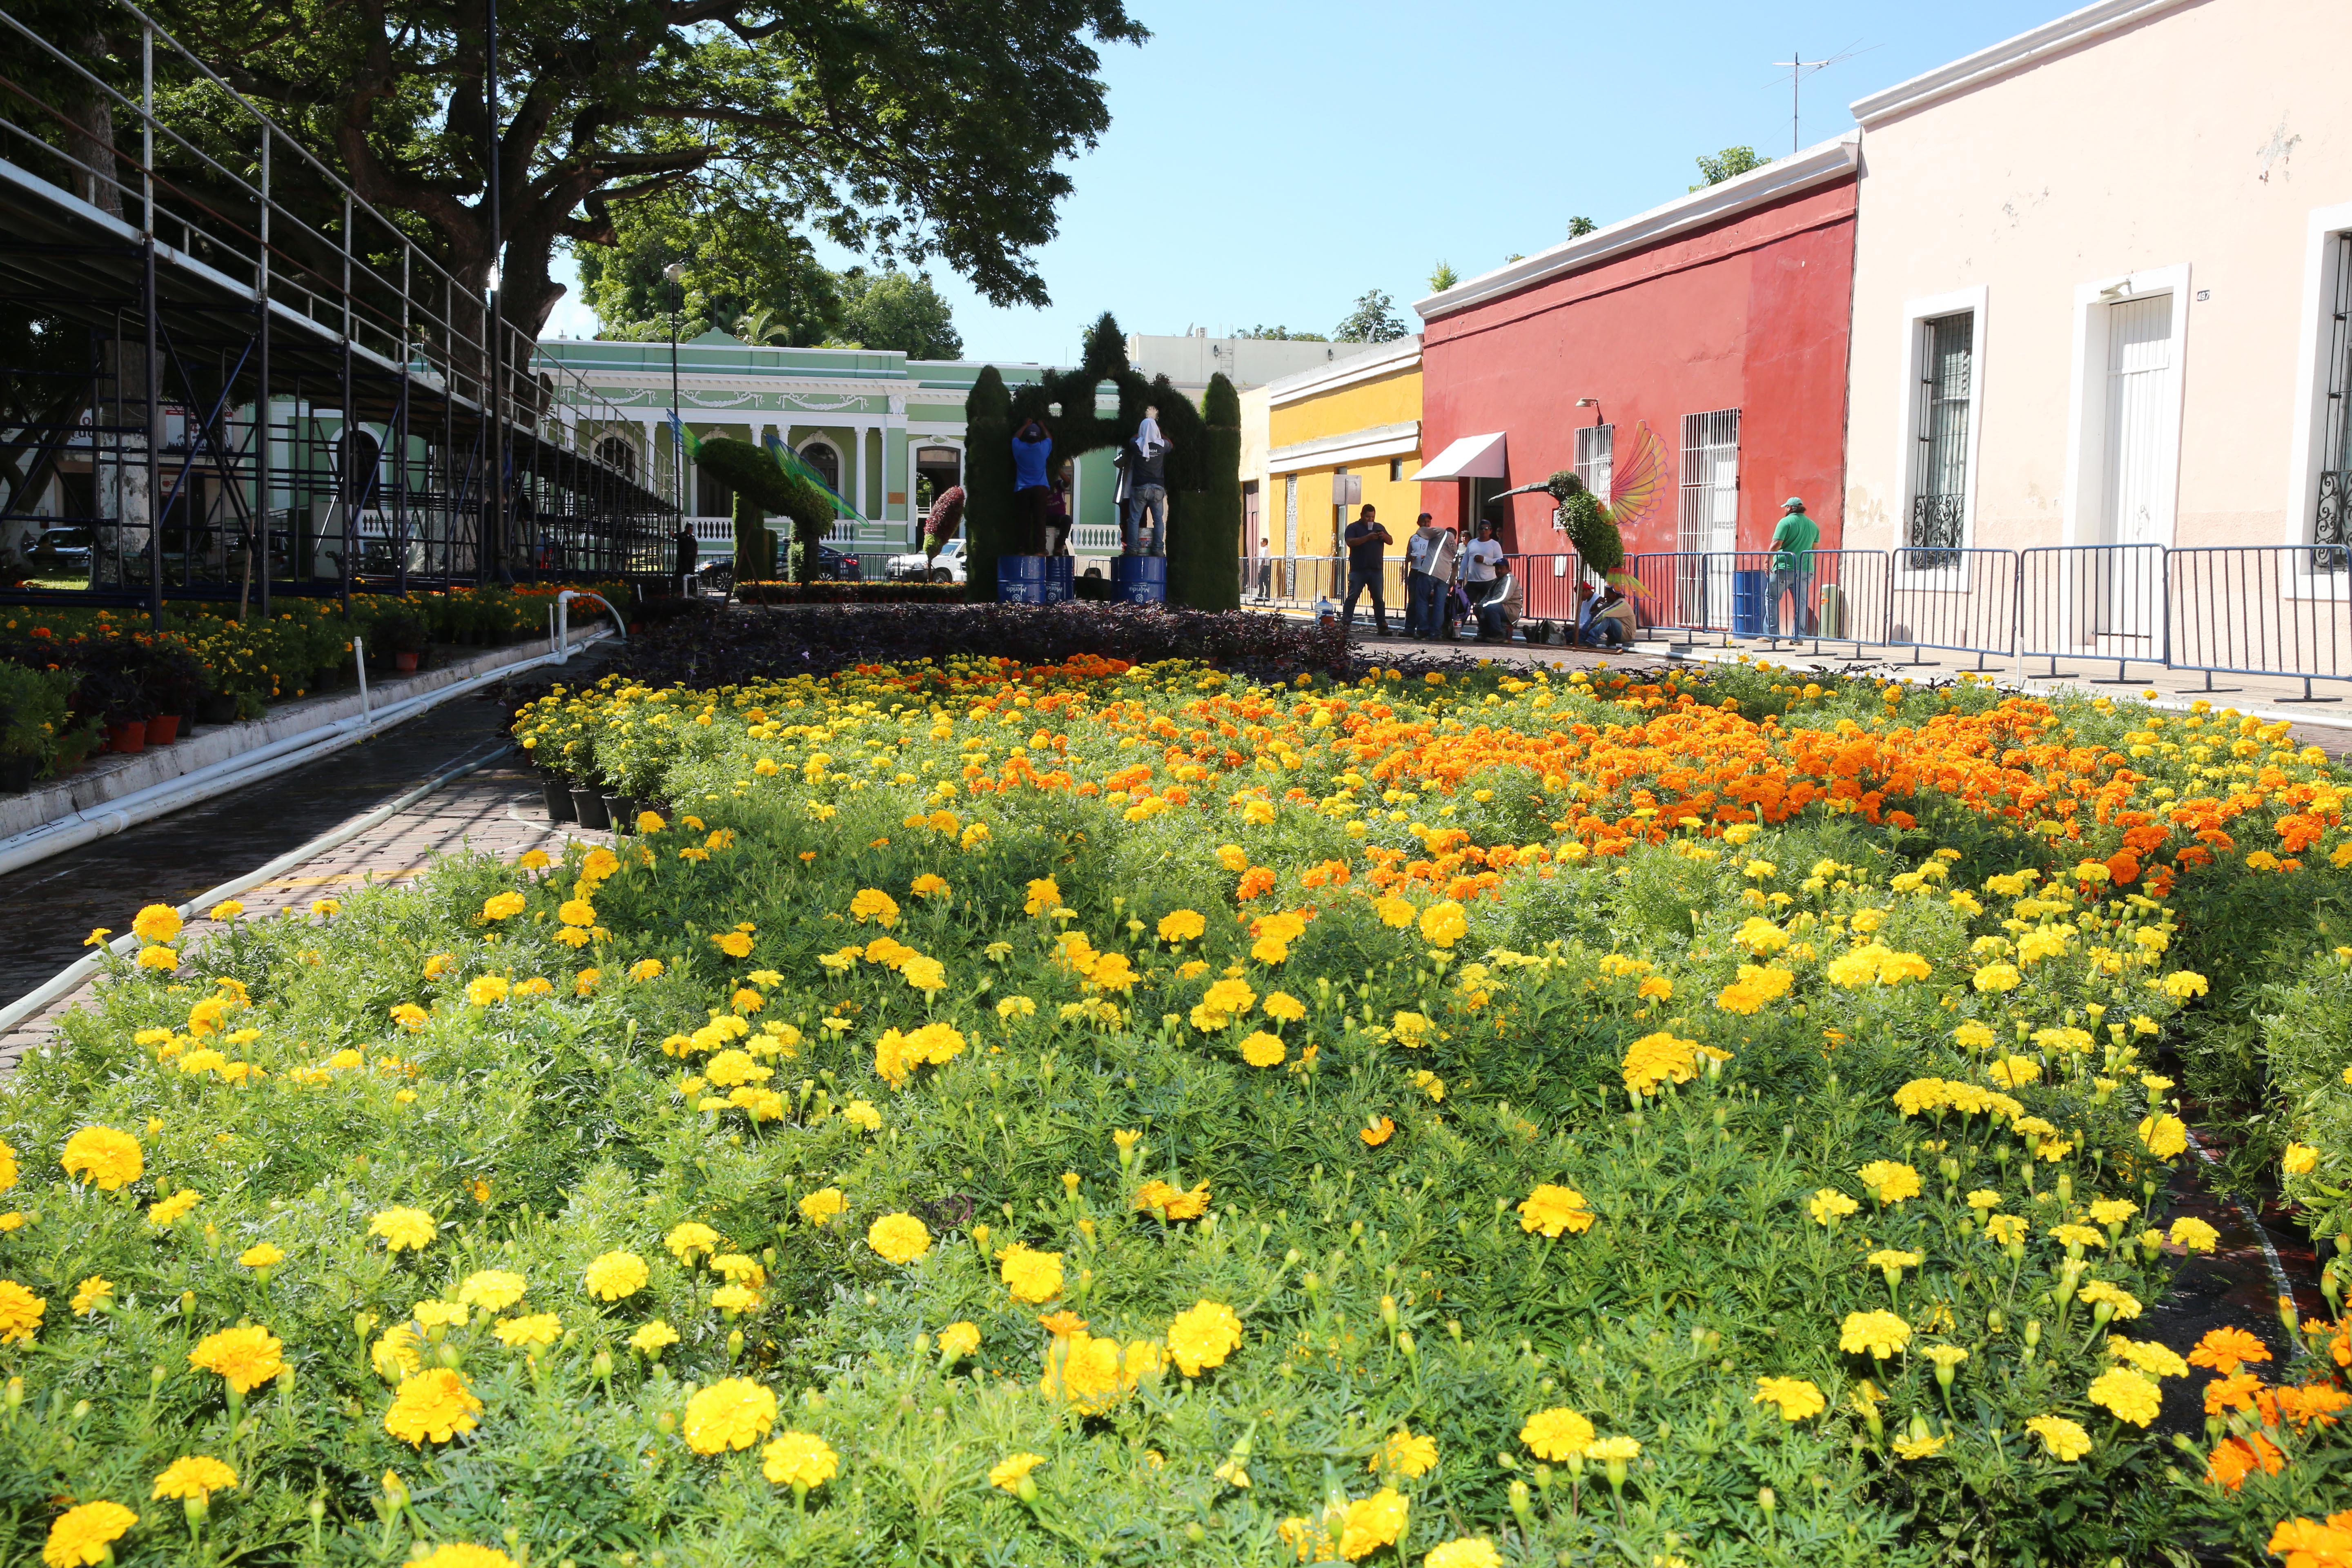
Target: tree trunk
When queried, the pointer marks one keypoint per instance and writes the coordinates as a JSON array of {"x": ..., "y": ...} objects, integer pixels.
[{"x": 89, "y": 137}]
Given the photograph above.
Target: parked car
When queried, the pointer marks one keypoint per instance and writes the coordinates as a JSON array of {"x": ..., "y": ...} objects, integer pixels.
[
  {"x": 914, "y": 568},
  {"x": 836, "y": 565},
  {"x": 60, "y": 550}
]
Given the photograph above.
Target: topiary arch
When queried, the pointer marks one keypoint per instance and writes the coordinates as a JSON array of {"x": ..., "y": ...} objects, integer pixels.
[
  {"x": 762, "y": 488},
  {"x": 1203, "y": 464}
]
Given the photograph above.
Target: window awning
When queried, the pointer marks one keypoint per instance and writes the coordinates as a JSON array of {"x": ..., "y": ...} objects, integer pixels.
[{"x": 1471, "y": 458}]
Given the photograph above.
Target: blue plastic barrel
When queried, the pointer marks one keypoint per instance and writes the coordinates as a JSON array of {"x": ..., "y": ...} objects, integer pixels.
[
  {"x": 1748, "y": 592},
  {"x": 1141, "y": 579},
  {"x": 1021, "y": 579},
  {"x": 1056, "y": 582}
]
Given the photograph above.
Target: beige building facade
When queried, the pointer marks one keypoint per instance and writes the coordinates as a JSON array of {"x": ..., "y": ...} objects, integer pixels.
[{"x": 2102, "y": 277}]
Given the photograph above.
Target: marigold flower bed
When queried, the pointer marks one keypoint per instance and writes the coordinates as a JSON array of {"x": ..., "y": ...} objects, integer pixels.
[{"x": 1092, "y": 1113}]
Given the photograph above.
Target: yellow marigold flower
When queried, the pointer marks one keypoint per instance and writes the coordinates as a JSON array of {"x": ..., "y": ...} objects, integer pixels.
[
  {"x": 874, "y": 904},
  {"x": 92, "y": 1292},
  {"x": 2158, "y": 1361},
  {"x": 1881, "y": 1334},
  {"x": 1044, "y": 894},
  {"x": 645, "y": 969},
  {"x": 1973, "y": 1036},
  {"x": 821, "y": 1207},
  {"x": 409, "y": 1016},
  {"x": 7, "y": 1167},
  {"x": 577, "y": 912},
  {"x": 691, "y": 1240},
  {"x": 245, "y": 1357},
  {"x": 2163, "y": 1136},
  {"x": 1984, "y": 1198},
  {"x": 491, "y": 1289},
  {"x": 1202, "y": 1336},
  {"x": 1007, "y": 1474},
  {"x": 1995, "y": 977},
  {"x": 20, "y": 1313},
  {"x": 1405, "y": 1454},
  {"x": 1558, "y": 1434},
  {"x": 1443, "y": 925},
  {"x": 156, "y": 922},
  {"x": 261, "y": 1255},
  {"x": 1464, "y": 1552},
  {"x": 1372, "y": 1522},
  {"x": 1285, "y": 1008},
  {"x": 2131, "y": 1396},
  {"x": 733, "y": 943},
  {"x": 615, "y": 1276},
  {"x": 2064, "y": 1440},
  {"x": 1829, "y": 1205},
  {"x": 649, "y": 1340},
  {"x": 900, "y": 1238},
  {"x": 1394, "y": 911},
  {"x": 172, "y": 1210},
  {"x": 958, "y": 1340},
  {"x": 1796, "y": 1398},
  {"x": 800, "y": 1460},
  {"x": 106, "y": 1159},
  {"x": 534, "y": 1330},
  {"x": 485, "y": 989},
  {"x": 439, "y": 1314},
  {"x": 158, "y": 957},
  {"x": 1031, "y": 1276},
  {"x": 226, "y": 909},
  {"x": 733, "y": 1413},
  {"x": 1891, "y": 1181},
  {"x": 1182, "y": 925},
  {"x": 2300, "y": 1160},
  {"x": 504, "y": 906},
  {"x": 196, "y": 1476},
  {"x": 439, "y": 965},
  {"x": 1553, "y": 1209},
  {"x": 2183, "y": 983},
  {"x": 1619, "y": 1449},
  {"x": 2194, "y": 1234},
  {"x": 403, "y": 1229},
  {"x": 2005, "y": 1229},
  {"x": 1264, "y": 1050},
  {"x": 2122, "y": 1303},
  {"x": 1172, "y": 1202},
  {"x": 861, "y": 1113},
  {"x": 85, "y": 1534}
]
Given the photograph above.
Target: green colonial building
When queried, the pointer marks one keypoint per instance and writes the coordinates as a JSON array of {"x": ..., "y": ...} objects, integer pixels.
[{"x": 885, "y": 431}]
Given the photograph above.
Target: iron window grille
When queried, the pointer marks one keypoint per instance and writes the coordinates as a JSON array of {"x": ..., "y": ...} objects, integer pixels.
[
  {"x": 2331, "y": 528},
  {"x": 1940, "y": 478},
  {"x": 1596, "y": 451}
]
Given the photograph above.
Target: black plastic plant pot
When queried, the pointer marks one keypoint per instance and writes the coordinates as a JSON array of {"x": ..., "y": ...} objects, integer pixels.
[
  {"x": 588, "y": 807},
  {"x": 616, "y": 814},
  {"x": 559, "y": 800}
]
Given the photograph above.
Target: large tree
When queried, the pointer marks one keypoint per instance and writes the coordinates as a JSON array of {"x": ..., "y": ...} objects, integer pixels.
[
  {"x": 737, "y": 257},
  {"x": 909, "y": 130}
]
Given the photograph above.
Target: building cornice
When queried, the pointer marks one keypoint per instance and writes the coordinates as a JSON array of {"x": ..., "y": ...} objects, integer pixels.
[
  {"x": 1971, "y": 71},
  {"x": 1817, "y": 165},
  {"x": 1399, "y": 440},
  {"x": 1382, "y": 359}
]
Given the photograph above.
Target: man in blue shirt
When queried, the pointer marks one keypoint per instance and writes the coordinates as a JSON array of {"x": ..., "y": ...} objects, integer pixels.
[
  {"x": 1368, "y": 544},
  {"x": 1032, "y": 445}
]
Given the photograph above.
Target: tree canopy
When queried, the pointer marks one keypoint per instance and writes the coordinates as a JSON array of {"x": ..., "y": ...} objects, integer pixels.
[
  {"x": 1282, "y": 335},
  {"x": 894, "y": 309},
  {"x": 1730, "y": 164},
  {"x": 1373, "y": 321},
  {"x": 907, "y": 131}
]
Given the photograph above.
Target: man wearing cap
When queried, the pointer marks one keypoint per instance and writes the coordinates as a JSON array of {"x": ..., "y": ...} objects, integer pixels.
[{"x": 1792, "y": 567}]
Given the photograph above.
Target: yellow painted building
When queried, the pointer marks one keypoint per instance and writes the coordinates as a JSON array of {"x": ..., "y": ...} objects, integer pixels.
[{"x": 1357, "y": 419}]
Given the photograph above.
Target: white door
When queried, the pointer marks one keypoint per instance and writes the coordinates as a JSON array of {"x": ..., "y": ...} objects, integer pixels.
[{"x": 2139, "y": 462}]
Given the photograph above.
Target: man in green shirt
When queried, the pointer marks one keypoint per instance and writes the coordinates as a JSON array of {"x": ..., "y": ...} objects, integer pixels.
[{"x": 1792, "y": 566}]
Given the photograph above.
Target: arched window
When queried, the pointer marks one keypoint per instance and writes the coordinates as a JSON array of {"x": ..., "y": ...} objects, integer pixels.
[
  {"x": 825, "y": 461},
  {"x": 938, "y": 470},
  {"x": 359, "y": 455},
  {"x": 620, "y": 454}
]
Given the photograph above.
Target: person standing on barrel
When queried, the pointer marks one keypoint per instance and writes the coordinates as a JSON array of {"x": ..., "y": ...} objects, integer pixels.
[{"x": 1033, "y": 446}]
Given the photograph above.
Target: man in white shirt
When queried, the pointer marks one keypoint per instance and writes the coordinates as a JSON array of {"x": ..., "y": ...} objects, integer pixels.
[{"x": 1482, "y": 561}]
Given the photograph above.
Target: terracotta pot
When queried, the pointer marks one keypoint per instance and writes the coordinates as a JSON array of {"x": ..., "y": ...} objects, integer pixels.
[
  {"x": 130, "y": 739},
  {"x": 162, "y": 728},
  {"x": 404, "y": 662}
]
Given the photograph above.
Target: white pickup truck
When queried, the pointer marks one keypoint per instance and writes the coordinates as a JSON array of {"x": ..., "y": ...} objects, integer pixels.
[{"x": 947, "y": 568}]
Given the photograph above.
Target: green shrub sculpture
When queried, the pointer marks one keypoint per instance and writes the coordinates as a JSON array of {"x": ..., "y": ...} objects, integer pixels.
[{"x": 762, "y": 488}]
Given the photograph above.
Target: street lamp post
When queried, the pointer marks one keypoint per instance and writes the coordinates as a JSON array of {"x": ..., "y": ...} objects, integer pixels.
[{"x": 676, "y": 273}]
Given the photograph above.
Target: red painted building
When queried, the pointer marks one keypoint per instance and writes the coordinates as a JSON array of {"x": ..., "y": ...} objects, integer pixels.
[{"x": 1690, "y": 363}]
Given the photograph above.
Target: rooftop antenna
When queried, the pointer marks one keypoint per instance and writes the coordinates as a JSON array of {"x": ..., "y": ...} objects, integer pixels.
[{"x": 1799, "y": 67}]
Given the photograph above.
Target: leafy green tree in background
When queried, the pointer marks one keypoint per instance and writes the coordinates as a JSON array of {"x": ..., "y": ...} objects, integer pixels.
[
  {"x": 1730, "y": 164},
  {"x": 1373, "y": 321},
  {"x": 1282, "y": 335},
  {"x": 894, "y": 309},
  {"x": 1578, "y": 227},
  {"x": 907, "y": 131},
  {"x": 1442, "y": 277},
  {"x": 738, "y": 256}
]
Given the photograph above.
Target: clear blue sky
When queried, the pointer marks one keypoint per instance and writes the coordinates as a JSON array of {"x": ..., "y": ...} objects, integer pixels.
[{"x": 1270, "y": 160}]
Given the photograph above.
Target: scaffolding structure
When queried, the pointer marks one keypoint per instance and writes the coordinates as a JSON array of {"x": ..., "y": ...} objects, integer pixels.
[{"x": 238, "y": 399}]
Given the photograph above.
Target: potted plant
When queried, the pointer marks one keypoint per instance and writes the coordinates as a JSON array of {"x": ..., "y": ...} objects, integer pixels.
[
  {"x": 35, "y": 720},
  {"x": 401, "y": 634},
  {"x": 174, "y": 685}
]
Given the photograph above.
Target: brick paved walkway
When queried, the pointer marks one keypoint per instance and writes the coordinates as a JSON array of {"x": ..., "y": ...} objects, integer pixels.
[{"x": 498, "y": 809}]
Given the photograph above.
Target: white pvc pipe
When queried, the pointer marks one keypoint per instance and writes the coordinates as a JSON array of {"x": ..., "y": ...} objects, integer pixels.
[
  {"x": 563, "y": 619},
  {"x": 358, "y": 663},
  {"x": 66, "y": 980},
  {"x": 231, "y": 773}
]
